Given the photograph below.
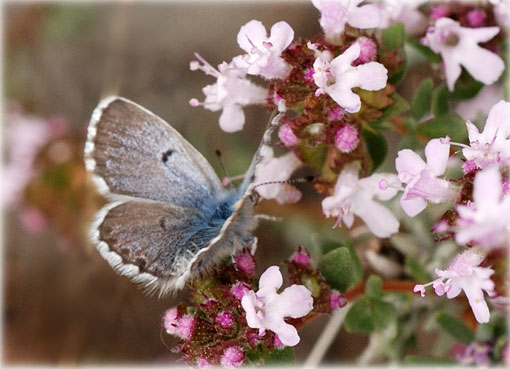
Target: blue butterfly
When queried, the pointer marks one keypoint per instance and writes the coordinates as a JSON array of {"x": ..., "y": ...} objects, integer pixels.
[{"x": 169, "y": 219}]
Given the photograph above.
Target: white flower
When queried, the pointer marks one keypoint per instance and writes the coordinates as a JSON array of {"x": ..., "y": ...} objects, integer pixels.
[
  {"x": 231, "y": 92},
  {"x": 492, "y": 146},
  {"x": 458, "y": 47},
  {"x": 421, "y": 180},
  {"x": 486, "y": 221},
  {"x": 337, "y": 77},
  {"x": 354, "y": 196},
  {"x": 405, "y": 11},
  {"x": 263, "y": 54},
  {"x": 272, "y": 169},
  {"x": 267, "y": 309},
  {"x": 336, "y": 13},
  {"x": 464, "y": 274}
]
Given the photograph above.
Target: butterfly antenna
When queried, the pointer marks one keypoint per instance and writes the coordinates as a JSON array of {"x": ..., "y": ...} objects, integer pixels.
[
  {"x": 289, "y": 181},
  {"x": 219, "y": 155}
]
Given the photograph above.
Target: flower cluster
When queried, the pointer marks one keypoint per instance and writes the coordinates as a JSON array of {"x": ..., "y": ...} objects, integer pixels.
[{"x": 236, "y": 318}]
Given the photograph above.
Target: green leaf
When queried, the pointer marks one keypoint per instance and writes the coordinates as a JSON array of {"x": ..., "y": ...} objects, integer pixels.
[
  {"x": 336, "y": 267},
  {"x": 367, "y": 315},
  {"x": 422, "y": 99},
  {"x": 455, "y": 328},
  {"x": 399, "y": 106},
  {"x": 393, "y": 37},
  {"x": 466, "y": 87},
  {"x": 398, "y": 75},
  {"x": 277, "y": 357},
  {"x": 376, "y": 146},
  {"x": 357, "y": 269},
  {"x": 384, "y": 313},
  {"x": 420, "y": 360},
  {"x": 440, "y": 103},
  {"x": 426, "y": 51},
  {"x": 359, "y": 317},
  {"x": 315, "y": 156},
  {"x": 450, "y": 124},
  {"x": 373, "y": 286},
  {"x": 416, "y": 270}
]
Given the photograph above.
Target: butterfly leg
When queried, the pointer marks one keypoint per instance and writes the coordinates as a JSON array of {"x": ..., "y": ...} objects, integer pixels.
[{"x": 268, "y": 217}]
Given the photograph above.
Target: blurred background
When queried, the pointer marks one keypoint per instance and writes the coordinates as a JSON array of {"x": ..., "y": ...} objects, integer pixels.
[{"x": 62, "y": 303}]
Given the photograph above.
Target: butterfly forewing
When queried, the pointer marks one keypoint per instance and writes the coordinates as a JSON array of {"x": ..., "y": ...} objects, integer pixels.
[{"x": 132, "y": 152}]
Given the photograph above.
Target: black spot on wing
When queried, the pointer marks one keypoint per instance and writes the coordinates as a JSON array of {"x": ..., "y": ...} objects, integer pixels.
[{"x": 166, "y": 155}]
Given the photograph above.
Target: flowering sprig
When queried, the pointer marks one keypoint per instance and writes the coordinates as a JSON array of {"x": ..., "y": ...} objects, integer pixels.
[{"x": 235, "y": 315}]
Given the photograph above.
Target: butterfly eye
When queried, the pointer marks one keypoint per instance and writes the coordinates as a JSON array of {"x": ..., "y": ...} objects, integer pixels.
[
  {"x": 254, "y": 197},
  {"x": 166, "y": 155}
]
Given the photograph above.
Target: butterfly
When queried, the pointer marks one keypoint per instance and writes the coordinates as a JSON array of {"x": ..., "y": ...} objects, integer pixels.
[{"x": 169, "y": 218}]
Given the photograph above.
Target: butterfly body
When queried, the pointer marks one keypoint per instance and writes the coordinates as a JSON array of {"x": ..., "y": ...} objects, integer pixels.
[{"x": 169, "y": 219}]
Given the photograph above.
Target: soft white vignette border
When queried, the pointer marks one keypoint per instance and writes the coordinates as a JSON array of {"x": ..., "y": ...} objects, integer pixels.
[{"x": 336, "y": 320}]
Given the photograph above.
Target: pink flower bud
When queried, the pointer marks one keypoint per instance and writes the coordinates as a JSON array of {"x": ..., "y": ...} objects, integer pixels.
[
  {"x": 368, "y": 51},
  {"x": 439, "y": 11},
  {"x": 337, "y": 300},
  {"x": 287, "y": 136},
  {"x": 469, "y": 166},
  {"x": 194, "y": 102},
  {"x": 245, "y": 263},
  {"x": 277, "y": 343},
  {"x": 33, "y": 220},
  {"x": 476, "y": 18},
  {"x": 186, "y": 326},
  {"x": 203, "y": 363},
  {"x": 506, "y": 186},
  {"x": 301, "y": 257},
  {"x": 239, "y": 290},
  {"x": 346, "y": 138},
  {"x": 336, "y": 113},
  {"x": 225, "y": 320},
  {"x": 233, "y": 356}
]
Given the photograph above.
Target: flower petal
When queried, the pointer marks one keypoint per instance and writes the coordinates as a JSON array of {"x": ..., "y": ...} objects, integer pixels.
[
  {"x": 497, "y": 121},
  {"x": 345, "y": 97},
  {"x": 437, "y": 153},
  {"x": 452, "y": 69},
  {"x": 252, "y": 33},
  {"x": 232, "y": 118},
  {"x": 487, "y": 188},
  {"x": 483, "y": 65},
  {"x": 270, "y": 281},
  {"x": 477, "y": 301},
  {"x": 282, "y": 35},
  {"x": 367, "y": 16},
  {"x": 378, "y": 218},
  {"x": 295, "y": 301},
  {"x": 414, "y": 206},
  {"x": 408, "y": 162},
  {"x": 370, "y": 76}
]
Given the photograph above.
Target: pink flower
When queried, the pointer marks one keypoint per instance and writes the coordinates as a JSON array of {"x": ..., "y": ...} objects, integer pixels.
[
  {"x": 287, "y": 136},
  {"x": 33, "y": 220},
  {"x": 25, "y": 137},
  {"x": 421, "y": 180},
  {"x": 464, "y": 274},
  {"x": 485, "y": 221},
  {"x": 346, "y": 138},
  {"x": 264, "y": 53},
  {"x": 336, "y": 13},
  {"x": 476, "y": 353},
  {"x": 231, "y": 92},
  {"x": 354, "y": 196},
  {"x": 492, "y": 146},
  {"x": 337, "y": 77},
  {"x": 404, "y": 11},
  {"x": 170, "y": 321},
  {"x": 267, "y": 309},
  {"x": 458, "y": 47},
  {"x": 272, "y": 169},
  {"x": 439, "y": 11},
  {"x": 232, "y": 357},
  {"x": 203, "y": 363}
]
